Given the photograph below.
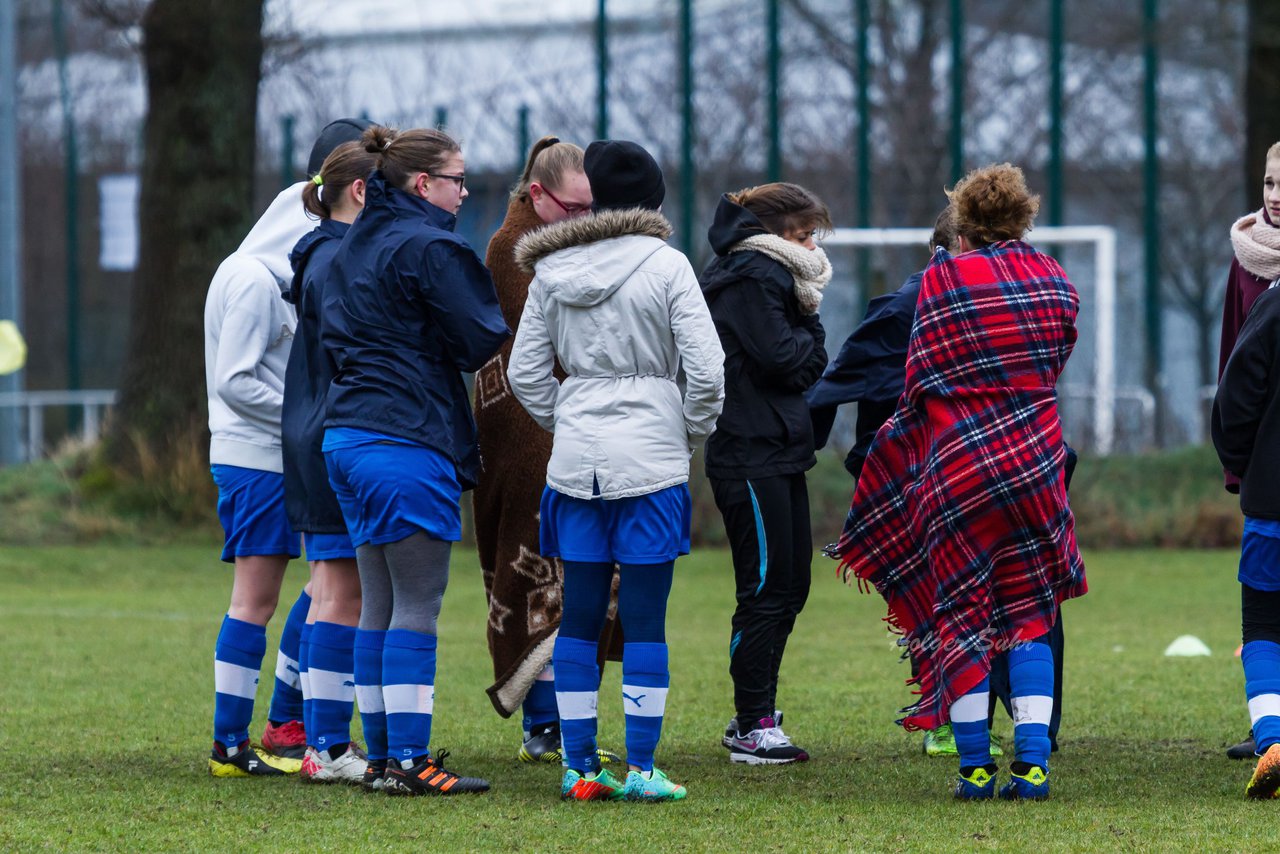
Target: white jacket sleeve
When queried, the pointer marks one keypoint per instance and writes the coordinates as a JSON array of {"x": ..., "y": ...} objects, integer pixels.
[
  {"x": 531, "y": 372},
  {"x": 701, "y": 356},
  {"x": 247, "y": 332}
]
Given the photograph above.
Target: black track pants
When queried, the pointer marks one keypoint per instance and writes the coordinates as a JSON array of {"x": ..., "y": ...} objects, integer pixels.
[{"x": 767, "y": 522}]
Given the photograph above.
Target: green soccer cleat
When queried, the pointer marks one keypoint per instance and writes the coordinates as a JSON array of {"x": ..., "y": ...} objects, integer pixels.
[
  {"x": 942, "y": 742},
  {"x": 600, "y": 786},
  {"x": 653, "y": 786}
]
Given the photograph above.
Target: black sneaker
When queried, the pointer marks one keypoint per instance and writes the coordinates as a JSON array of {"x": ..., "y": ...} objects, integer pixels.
[
  {"x": 766, "y": 744},
  {"x": 374, "y": 773},
  {"x": 245, "y": 761},
  {"x": 428, "y": 777},
  {"x": 730, "y": 732},
  {"x": 1246, "y": 749},
  {"x": 543, "y": 746}
]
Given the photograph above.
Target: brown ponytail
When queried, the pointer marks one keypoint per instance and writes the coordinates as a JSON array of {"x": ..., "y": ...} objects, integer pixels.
[
  {"x": 402, "y": 154},
  {"x": 345, "y": 165},
  {"x": 782, "y": 207},
  {"x": 549, "y": 160}
]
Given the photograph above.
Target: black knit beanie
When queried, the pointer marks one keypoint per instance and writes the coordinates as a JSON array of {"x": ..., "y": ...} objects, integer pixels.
[{"x": 623, "y": 175}]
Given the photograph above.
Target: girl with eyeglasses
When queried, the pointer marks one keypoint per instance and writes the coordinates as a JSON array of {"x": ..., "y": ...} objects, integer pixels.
[
  {"x": 408, "y": 306},
  {"x": 523, "y": 588}
]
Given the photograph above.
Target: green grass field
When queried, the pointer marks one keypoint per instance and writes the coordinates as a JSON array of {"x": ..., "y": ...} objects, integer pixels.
[{"x": 106, "y": 704}]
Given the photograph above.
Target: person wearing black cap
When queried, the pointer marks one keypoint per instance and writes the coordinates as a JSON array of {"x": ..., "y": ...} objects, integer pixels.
[
  {"x": 248, "y": 332},
  {"x": 331, "y": 136},
  {"x": 623, "y": 314}
]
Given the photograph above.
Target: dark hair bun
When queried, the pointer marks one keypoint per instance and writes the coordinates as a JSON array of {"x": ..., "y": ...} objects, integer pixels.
[{"x": 378, "y": 138}]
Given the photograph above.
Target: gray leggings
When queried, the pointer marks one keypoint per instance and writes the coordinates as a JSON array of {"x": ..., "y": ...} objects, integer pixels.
[{"x": 402, "y": 583}]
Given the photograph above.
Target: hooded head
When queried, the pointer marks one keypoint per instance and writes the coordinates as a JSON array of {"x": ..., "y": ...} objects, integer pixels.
[{"x": 623, "y": 175}]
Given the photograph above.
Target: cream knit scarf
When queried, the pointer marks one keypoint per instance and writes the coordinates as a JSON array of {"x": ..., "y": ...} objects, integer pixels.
[
  {"x": 809, "y": 267},
  {"x": 1257, "y": 246}
]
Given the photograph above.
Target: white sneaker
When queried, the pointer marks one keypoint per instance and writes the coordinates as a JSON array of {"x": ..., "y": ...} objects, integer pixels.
[{"x": 349, "y": 768}]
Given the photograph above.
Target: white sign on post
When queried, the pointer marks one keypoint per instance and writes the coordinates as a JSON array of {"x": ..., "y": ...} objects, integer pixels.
[{"x": 118, "y": 222}]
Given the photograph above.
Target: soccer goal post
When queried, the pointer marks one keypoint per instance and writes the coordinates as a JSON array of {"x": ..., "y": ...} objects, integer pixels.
[{"x": 1102, "y": 238}]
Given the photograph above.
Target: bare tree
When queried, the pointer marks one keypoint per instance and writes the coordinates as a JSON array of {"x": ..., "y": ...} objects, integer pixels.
[
  {"x": 203, "y": 63},
  {"x": 1262, "y": 88}
]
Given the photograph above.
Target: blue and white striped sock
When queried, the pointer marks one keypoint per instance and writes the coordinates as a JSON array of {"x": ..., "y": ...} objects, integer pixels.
[
  {"x": 645, "y": 681},
  {"x": 969, "y": 725},
  {"x": 286, "y": 697},
  {"x": 1261, "y": 661},
  {"x": 237, "y": 659},
  {"x": 368, "y": 678},
  {"x": 331, "y": 673},
  {"x": 304, "y": 683},
  {"x": 408, "y": 690},
  {"x": 1031, "y": 696},
  {"x": 577, "y": 692}
]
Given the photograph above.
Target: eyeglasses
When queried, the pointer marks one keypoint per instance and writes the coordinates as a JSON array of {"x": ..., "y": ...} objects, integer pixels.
[
  {"x": 461, "y": 179},
  {"x": 571, "y": 210}
]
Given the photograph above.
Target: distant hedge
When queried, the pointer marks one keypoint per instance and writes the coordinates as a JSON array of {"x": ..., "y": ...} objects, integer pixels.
[
  {"x": 1173, "y": 499},
  {"x": 1167, "y": 500}
]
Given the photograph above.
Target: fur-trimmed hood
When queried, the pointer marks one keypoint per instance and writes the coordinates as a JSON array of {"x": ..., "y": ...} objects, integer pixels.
[{"x": 582, "y": 261}]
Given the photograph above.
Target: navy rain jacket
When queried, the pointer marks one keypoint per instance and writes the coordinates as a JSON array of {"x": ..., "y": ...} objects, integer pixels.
[
  {"x": 871, "y": 370},
  {"x": 308, "y": 497},
  {"x": 408, "y": 306}
]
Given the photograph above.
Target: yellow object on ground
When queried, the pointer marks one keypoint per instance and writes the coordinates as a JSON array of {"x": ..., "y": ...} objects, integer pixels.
[{"x": 13, "y": 349}]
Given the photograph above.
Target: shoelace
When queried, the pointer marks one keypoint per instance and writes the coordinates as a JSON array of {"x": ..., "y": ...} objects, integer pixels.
[{"x": 773, "y": 737}]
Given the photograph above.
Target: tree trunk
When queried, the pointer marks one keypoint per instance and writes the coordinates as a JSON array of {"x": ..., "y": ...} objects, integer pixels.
[
  {"x": 203, "y": 62},
  {"x": 1261, "y": 93}
]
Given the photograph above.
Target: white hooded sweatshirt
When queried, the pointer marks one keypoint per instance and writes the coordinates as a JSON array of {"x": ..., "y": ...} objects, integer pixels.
[
  {"x": 624, "y": 315},
  {"x": 248, "y": 329}
]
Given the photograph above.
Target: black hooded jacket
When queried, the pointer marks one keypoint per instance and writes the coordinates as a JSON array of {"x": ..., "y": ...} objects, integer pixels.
[{"x": 772, "y": 353}]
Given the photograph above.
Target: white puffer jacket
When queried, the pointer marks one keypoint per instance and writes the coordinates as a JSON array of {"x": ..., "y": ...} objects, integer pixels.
[{"x": 623, "y": 314}]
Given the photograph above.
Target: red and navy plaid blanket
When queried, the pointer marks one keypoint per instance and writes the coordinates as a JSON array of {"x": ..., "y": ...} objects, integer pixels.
[{"x": 960, "y": 518}]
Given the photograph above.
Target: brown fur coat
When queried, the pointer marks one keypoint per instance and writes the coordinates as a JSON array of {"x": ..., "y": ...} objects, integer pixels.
[{"x": 524, "y": 588}]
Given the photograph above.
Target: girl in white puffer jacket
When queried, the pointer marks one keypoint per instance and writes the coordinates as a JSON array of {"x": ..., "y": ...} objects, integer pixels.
[{"x": 623, "y": 314}]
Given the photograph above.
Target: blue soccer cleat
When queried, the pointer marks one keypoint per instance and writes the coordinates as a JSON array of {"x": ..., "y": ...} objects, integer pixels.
[
  {"x": 1028, "y": 783},
  {"x": 977, "y": 783}
]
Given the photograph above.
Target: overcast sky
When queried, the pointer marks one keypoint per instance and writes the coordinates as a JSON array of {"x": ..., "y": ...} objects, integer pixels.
[{"x": 338, "y": 16}]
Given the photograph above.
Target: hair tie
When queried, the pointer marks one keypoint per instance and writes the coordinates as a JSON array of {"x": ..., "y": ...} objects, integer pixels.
[
  {"x": 555, "y": 140},
  {"x": 317, "y": 180},
  {"x": 386, "y": 144}
]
